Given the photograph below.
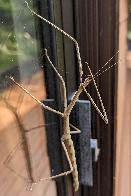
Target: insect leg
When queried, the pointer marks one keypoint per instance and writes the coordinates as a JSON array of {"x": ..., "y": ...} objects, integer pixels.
[
  {"x": 104, "y": 117},
  {"x": 66, "y": 34},
  {"x": 77, "y": 130},
  {"x": 64, "y": 173},
  {"x": 33, "y": 97},
  {"x": 63, "y": 82}
]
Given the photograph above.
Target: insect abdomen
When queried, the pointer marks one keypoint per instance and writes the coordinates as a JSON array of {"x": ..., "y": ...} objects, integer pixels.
[{"x": 70, "y": 148}]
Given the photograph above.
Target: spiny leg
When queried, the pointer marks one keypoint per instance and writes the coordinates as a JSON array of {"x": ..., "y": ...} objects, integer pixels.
[
  {"x": 64, "y": 173},
  {"x": 30, "y": 184},
  {"x": 104, "y": 117},
  {"x": 96, "y": 75},
  {"x": 66, "y": 34},
  {"x": 70, "y": 164},
  {"x": 44, "y": 106},
  {"x": 63, "y": 82}
]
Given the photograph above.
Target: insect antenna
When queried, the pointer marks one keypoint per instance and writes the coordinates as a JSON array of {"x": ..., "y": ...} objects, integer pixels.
[
  {"x": 103, "y": 115},
  {"x": 100, "y": 70},
  {"x": 98, "y": 74}
]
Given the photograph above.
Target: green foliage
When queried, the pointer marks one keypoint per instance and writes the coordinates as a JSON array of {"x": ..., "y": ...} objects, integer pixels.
[{"x": 17, "y": 33}]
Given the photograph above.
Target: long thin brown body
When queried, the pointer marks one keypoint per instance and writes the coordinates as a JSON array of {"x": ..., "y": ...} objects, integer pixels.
[
  {"x": 66, "y": 140},
  {"x": 71, "y": 152},
  {"x": 67, "y": 137}
]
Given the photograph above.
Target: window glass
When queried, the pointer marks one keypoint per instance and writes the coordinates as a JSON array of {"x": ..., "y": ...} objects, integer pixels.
[{"x": 22, "y": 131}]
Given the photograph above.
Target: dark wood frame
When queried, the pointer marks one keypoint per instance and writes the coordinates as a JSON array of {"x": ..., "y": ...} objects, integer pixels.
[{"x": 95, "y": 25}]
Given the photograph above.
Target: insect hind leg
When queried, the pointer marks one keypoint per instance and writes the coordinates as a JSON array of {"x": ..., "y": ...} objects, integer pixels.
[{"x": 64, "y": 173}]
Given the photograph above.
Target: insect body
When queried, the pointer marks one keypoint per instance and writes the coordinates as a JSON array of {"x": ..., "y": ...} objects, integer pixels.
[{"x": 66, "y": 140}]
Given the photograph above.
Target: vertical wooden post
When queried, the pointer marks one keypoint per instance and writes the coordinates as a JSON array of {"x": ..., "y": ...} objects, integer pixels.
[{"x": 123, "y": 170}]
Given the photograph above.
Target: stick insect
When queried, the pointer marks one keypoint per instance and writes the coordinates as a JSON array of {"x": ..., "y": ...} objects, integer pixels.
[{"x": 66, "y": 140}]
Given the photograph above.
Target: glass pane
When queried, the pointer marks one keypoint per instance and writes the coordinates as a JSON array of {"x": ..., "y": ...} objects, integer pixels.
[{"x": 22, "y": 131}]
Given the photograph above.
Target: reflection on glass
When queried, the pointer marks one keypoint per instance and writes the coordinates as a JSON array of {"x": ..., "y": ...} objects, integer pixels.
[{"x": 22, "y": 130}]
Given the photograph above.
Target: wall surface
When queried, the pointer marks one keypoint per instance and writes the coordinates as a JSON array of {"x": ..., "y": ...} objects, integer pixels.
[{"x": 123, "y": 142}]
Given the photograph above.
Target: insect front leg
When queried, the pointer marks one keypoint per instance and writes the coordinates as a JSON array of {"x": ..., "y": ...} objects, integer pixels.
[{"x": 104, "y": 115}]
